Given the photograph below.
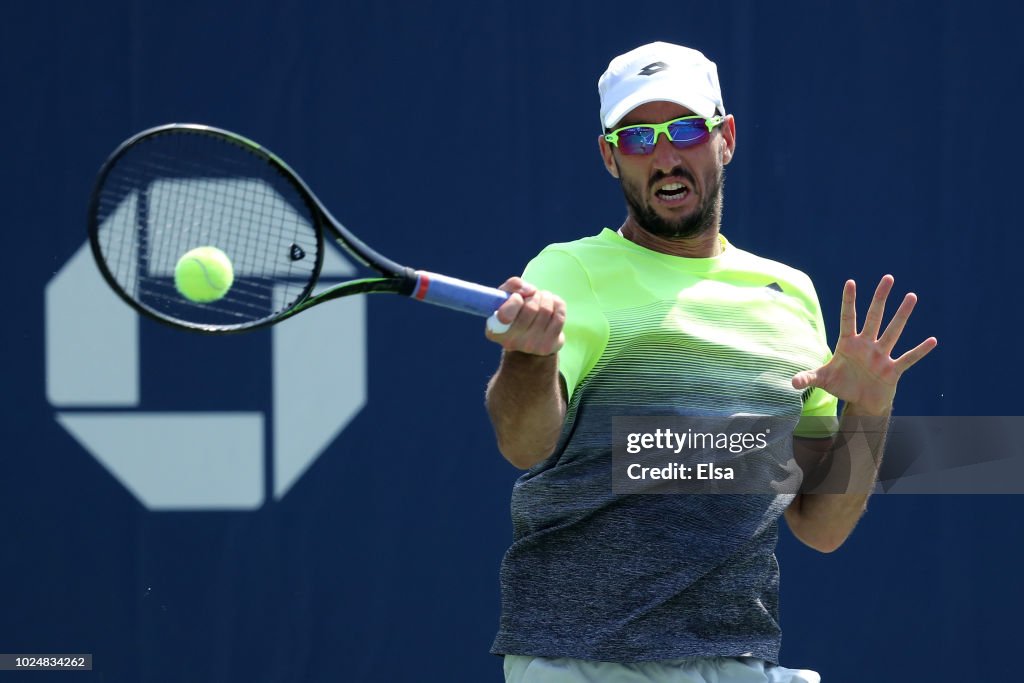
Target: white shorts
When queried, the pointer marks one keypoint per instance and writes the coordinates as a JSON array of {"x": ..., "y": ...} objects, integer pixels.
[{"x": 521, "y": 669}]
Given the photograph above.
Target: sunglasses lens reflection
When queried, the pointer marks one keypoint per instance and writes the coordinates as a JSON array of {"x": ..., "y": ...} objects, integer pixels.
[
  {"x": 688, "y": 133},
  {"x": 637, "y": 140},
  {"x": 641, "y": 139}
]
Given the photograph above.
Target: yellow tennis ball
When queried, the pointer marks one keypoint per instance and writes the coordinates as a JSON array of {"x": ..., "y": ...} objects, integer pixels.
[{"x": 204, "y": 275}]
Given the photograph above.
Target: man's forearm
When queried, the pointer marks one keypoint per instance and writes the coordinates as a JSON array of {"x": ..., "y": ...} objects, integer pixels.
[
  {"x": 837, "y": 491},
  {"x": 526, "y": 405}
]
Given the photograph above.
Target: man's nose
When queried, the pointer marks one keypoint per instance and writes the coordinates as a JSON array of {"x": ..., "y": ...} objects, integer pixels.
[{"x": 665, "y": 155}]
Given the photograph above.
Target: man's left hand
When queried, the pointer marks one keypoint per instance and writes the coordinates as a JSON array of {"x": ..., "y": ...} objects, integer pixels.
[{"x": 862, "y": 371}]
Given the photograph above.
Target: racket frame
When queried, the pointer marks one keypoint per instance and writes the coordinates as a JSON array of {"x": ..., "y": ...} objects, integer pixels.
[{"x": 397, "y": 279}]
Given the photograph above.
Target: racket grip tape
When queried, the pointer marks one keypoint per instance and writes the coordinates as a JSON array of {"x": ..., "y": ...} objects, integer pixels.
[{"x": 468, "y": 297}]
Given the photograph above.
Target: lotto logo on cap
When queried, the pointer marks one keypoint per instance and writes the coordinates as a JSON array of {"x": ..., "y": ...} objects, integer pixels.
[{"x": 659, "y": 72}]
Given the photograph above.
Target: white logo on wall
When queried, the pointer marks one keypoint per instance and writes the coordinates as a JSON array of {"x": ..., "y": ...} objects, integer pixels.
[{"x": 199, "y": 460}]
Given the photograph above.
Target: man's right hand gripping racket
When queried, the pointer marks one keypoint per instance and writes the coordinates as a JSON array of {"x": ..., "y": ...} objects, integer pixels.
[{"x": 173, "y": 189}]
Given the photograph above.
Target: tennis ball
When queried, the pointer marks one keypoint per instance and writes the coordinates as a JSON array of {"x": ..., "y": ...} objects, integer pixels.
[{"x": 204, "y": 275}]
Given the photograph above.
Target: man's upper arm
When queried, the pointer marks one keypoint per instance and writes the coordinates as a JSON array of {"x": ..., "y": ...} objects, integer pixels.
[{"x": 586, "y": 330}]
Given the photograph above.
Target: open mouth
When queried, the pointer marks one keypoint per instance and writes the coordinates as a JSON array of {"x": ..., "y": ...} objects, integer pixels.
[{"x": 673, "y": 193}]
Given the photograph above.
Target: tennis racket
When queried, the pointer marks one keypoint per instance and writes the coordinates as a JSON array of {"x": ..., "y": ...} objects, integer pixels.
[{"x": 170, "y": 189}]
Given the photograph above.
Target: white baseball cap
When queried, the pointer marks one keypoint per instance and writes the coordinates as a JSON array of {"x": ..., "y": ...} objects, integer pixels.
[{"x": 659, "y": 72}]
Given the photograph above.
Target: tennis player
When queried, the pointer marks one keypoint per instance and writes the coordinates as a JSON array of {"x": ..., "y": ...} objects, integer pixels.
[{"x": 665, "y": 316}]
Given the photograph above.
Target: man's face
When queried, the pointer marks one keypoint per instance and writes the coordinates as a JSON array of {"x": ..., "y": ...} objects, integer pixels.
[{"x": 672, "y": 193}]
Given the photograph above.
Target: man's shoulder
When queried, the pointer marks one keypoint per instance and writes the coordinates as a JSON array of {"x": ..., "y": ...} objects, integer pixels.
[
  {"x": 580, "y": 257},
  {"x": 748, "y": 261},
  {"x": 583, "y": 247}
]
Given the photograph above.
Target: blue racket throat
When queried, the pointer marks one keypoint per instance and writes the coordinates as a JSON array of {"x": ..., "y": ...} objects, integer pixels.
[{"x": 459, "y": 295}]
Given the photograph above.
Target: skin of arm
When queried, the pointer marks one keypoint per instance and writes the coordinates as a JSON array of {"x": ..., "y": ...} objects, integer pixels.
[
  {"x": 863, "y": 374},
  {"x": 526, "y": 397},
  {"x": 847, "y": 462}
]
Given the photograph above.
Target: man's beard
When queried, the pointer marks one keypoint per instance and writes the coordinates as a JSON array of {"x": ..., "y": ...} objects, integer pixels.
[{"x": 703, "y": 218}]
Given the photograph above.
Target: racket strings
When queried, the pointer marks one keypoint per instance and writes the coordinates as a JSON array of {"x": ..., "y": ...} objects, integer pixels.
[
  {"x": 147, "y": 273},
  {"x": 177, "y": 191}
]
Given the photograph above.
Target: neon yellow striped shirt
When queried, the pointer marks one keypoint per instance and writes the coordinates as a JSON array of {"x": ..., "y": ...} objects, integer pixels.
[
  {"x": 597, "y": 575},
  {"x": 723, "y": 334}
]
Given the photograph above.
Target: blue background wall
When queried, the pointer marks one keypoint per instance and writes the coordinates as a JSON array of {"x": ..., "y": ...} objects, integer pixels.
[{"x": 873, "y": 138}]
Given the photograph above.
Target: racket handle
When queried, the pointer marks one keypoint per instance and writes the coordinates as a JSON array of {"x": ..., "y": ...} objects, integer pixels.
[{"x": 468, "y": 297}]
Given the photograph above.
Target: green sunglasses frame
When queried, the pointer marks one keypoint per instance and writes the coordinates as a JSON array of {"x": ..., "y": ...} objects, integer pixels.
[{"x": 660, "y": 128}]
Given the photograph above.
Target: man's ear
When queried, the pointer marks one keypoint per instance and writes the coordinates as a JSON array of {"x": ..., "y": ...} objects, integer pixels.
[
  {"x": 608, "y": 156},
  {"x": 728, "y": 139}
]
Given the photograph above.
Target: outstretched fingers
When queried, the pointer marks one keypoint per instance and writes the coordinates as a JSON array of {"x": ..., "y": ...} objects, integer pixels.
[
  {"x": 895, "y": 327},
  {"x": 915, "y": 354},
  {"x": 848, "y": 312},
  {"x": 890, "y": 337},
  {"x": 876, "y": 311}
]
